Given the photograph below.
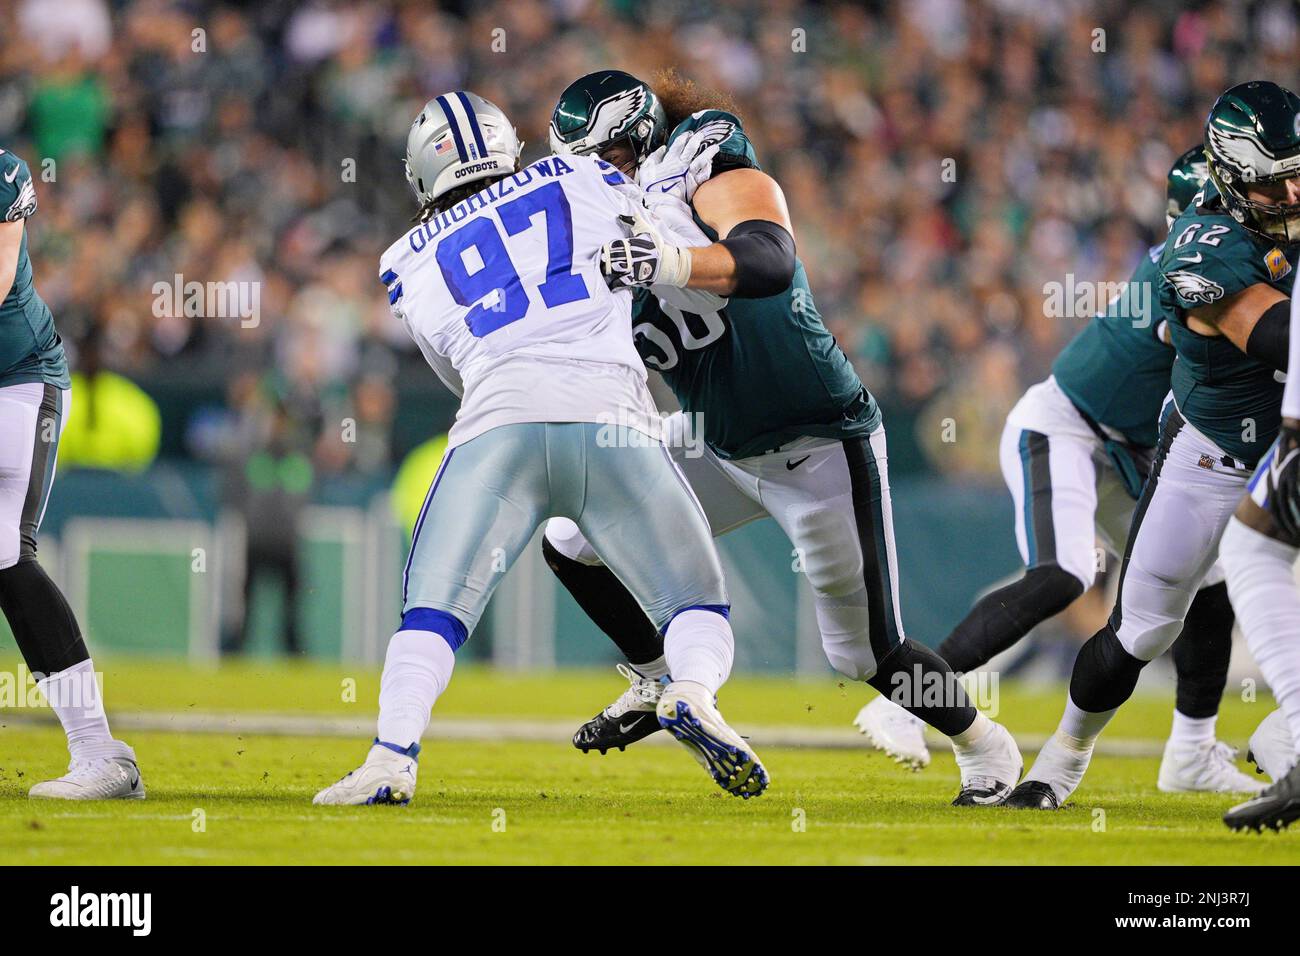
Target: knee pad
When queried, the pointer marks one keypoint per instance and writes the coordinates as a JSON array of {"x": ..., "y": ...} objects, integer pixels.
[
  {"x": 852, "y": 658},
  {"x": 832, "y": 556},
  {"x": 563, "y": 535}
]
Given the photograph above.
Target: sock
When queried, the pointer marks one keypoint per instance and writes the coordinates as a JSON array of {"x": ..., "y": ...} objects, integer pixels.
[
  {"x": 699, "y": 647},
  {"x": 1202, "y": 652},
  {"x": 1003, "y": 617},
  {"x": 73, "y": 695},
  {"x": 1260, "y": 580},
  {"x": 654, "y": 669},
  {"x": 911, "y": 676},
  {"x": 417, "y": 668},
  {"x": 1080, "y": 728},
  {"x": 609, "y": 604},
  {"x": 973, "y": 734},
  {"x": 1191, "y": 731}
]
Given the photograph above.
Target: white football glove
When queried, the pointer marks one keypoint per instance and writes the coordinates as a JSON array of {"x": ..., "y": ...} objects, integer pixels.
[
  {"x": 643, "y": 258},
  {"x": 679, "y": 169}
]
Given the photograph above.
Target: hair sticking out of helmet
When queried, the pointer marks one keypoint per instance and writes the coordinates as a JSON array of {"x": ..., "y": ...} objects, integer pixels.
[
  {"x": 682, "y": 97},
  {"x": 1252, "y": 141},
  {"x": 458, "y": 140}
]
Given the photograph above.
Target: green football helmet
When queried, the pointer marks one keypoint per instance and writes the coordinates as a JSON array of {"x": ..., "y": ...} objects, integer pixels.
[
  {"x": 1252, "y": 137},
  {"x": 601, "y": 109},
  {"x": 1186, "y": 178}
]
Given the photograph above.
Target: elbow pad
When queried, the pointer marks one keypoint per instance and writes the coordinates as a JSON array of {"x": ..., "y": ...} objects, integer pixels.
[
  {"x": 764, "y": 254},
  {"x": 1270, "y": 339}
]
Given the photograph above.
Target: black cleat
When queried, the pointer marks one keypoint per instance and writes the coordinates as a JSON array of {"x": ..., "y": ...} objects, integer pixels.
[
  {"x": 629, "y": 719},
  {"x": 1276, "y": 808},
  {"x": 982, "y": 792},
  {"x": 1032, "y": 795}
]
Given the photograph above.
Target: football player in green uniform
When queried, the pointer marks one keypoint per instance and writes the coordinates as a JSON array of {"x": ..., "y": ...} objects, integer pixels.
[
  {"x": 788, "y": 428},
  {"x": 34, "y": 394},
  {"x": 1225, "y": 278},
  {"x": 1075, "y": 453}
]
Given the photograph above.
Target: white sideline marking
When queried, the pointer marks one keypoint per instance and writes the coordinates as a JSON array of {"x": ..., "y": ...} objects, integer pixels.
[{"x": 517, "y": 729}]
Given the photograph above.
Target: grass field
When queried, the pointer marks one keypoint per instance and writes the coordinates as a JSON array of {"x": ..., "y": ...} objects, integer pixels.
[{"x": 244, "y": 798}]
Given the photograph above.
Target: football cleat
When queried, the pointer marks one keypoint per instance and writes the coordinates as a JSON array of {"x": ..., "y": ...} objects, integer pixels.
[
  {"x": 894, "y": 730},
  {"x": 1059, "y": 769},
  {"x": 387, "y": 776},
  {"x": 627, "y": 720},
  {"x": 95, "y": 778},
  {"x": 1275, "y": 808},
  {"x": 1272, "y": 750},
  {"x": 1206, "y": 768},
  {"x": 1032, "y": 795},
  {"x": 687, "y": 711},
  {"x": 989, "y": 768}
]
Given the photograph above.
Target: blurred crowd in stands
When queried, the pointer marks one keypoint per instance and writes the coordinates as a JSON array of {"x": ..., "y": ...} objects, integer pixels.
[{"x": 942, "y": 159}]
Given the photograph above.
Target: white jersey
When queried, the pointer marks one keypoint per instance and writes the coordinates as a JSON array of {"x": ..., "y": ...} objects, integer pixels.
[{"x": 504, "y": 296}]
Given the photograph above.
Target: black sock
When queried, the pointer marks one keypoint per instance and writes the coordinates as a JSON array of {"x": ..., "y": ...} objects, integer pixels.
[
  {"x": 43, "y": 624},
  {"x": 1006, "y": 615},
  {"x": 1104, "y": 673},
  {"x": 912, "y": 675},
  {"x": 609, "y": 604},
  {"x": 1202, "y": 652}
]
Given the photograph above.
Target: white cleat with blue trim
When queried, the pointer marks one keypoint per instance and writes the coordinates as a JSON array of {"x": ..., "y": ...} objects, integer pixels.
[
  {"x": 387, "y": 776},
  {"x": 687, "y": 711}
]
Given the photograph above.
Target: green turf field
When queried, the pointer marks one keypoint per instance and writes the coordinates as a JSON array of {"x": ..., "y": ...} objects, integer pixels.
[{"x": 245, "y": 798}]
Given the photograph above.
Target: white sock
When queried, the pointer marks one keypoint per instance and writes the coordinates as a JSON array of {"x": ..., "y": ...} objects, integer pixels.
[
  {"x": 699, "y": 647},
  {"x": 974, "y": 734},
  {"x": 656, "y": 669},
  {"x": 1079, "y": 728},
  {"x": 417, "y": 668},
  {"x": 1192, "y": 731},
  {"x": 1263, "y": 591},
  {"x": 73, "y": 695}
]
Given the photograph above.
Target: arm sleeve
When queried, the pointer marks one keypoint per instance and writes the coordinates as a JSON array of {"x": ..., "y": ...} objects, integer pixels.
[{"x": 1291, "y": 396}]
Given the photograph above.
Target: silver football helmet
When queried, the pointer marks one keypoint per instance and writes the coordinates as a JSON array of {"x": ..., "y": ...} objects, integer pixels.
[{"x": 458, "y": 137}]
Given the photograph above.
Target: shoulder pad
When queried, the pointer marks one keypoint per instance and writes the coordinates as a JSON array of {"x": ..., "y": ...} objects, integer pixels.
[{"x": 735, "y": 150}]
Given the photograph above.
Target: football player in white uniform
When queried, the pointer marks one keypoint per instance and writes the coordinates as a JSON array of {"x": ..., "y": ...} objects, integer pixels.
[
  {"x": 499, "y": 285},
  {"x": 1259, "y": 551}
]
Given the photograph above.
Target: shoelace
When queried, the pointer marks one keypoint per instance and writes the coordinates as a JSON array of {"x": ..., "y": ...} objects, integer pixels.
[
  {"x": 85, "y": 772},
  {"x": 1223, "y": 757},
  {"x": 643, "y": 690}
]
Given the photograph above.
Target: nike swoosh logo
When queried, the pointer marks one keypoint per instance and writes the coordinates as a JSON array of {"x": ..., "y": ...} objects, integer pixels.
[
  {"x": 11, "y": 175},
  {"x": 1195, "y": 258},
  {"x": 792, "y": 465},
  {"x": 624, "y": 728},
  {"x": 136, "y": 782}
]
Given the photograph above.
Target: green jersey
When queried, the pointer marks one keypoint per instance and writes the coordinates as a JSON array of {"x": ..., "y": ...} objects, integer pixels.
[
  {"x": 1225, "y": 394},
  {"x": 1116, "y": 369},
  {"x": 30, "y": 349},
  {"x": 758, "y": 372}
]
